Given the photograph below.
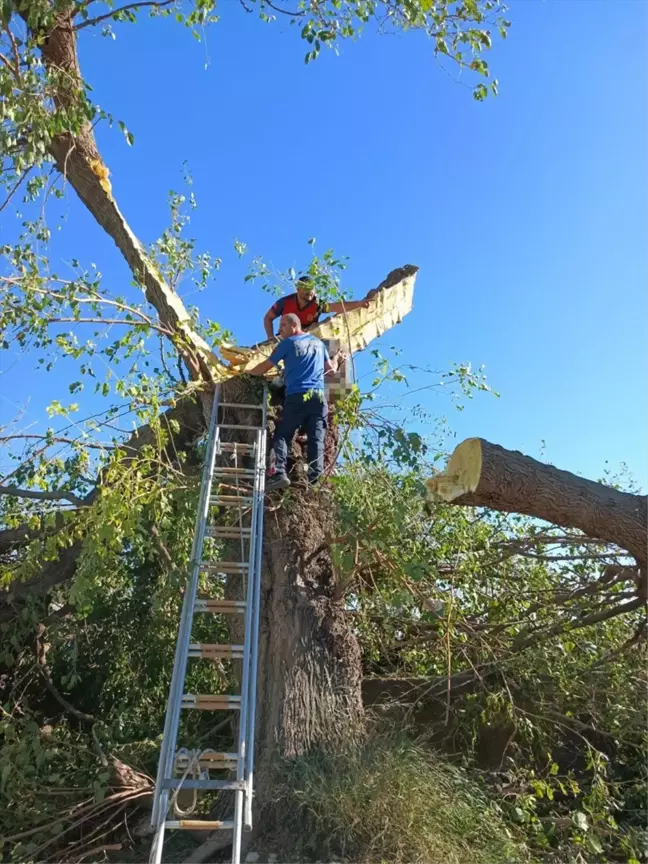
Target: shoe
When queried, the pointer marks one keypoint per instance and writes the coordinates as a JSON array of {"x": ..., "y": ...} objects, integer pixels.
[{"x": 277, "y": 481}]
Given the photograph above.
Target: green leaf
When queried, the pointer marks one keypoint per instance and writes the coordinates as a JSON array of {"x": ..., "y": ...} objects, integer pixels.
[
  {"x": 480, "y": 92},
  {"x": 580, "y": 820}
]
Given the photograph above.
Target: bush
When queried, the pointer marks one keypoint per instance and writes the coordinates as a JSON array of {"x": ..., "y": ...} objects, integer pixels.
[{"x": 389, "y": 800}]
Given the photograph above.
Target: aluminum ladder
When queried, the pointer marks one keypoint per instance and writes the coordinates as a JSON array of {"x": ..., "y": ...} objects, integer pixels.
[{"x": 194, "y": 765}]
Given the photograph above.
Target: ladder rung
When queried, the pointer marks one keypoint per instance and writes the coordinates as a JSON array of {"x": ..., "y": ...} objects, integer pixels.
[
  {"x": 218, "y": 702},
  {"x": 228, "y": 532},
  {"x": 179, "y": 783},
  {"x": 243, "y": 426},
  {"x": 225, "y": 566},
  {"x": 235, "y": 446},
  {"x": 209, "y": 761},
  {"x": 230, "y": 501},
  {"x": 206, "y": 651},
  {"x": 228, "y": 471},
  {"x": 220, "y": 607},
  {"x": 239, "y": 405},
  {"x": 198, "y": 825}
]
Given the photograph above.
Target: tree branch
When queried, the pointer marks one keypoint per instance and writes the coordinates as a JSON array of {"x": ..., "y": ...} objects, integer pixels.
[
  {"x": 57, "y": 440},
  {"x": 129, "y": 7},
  {"x": 524, "y": 640},
  {"x": 14, "y": 492},
  {"x": 481, "y": 474},
  {"x": 190, "y": 422},
  {"x": 22, "y": 177},
  {"x": 41, "y": 657},
  {"x": 72, "y": 320},
  {"x": 283, "y": 11},
  {"x": 77, "y": 158},
  {"x": 96, "y": 299}
]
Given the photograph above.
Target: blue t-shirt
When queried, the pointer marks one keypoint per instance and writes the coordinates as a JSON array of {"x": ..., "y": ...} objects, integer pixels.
[{"x": 304, "y": 357}]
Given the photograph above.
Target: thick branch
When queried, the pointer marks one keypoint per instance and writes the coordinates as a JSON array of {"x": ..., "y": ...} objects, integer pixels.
[
  {"x": 480, "y": 474},
  {"x": 78, "y": 159}
]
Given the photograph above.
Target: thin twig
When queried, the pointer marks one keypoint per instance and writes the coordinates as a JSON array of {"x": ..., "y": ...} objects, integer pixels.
[
  {"x": 92, "y": 21},
  {"x": 56, "y": 440},
  {"x": 283, "y": 11},
  {"x": 71, "y": 320},
  {"x": 20, "y": 179}
]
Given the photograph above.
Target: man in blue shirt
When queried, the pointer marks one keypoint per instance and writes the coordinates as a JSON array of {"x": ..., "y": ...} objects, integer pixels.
[{"x": 306, "y": 361}]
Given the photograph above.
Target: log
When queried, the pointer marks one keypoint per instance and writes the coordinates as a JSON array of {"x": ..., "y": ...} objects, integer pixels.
[{"x": 481, "y": 474}]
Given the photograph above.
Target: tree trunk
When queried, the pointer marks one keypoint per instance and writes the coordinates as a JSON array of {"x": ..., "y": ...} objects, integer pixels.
[
  {"x": 309, "y": 662},
  {"x": 480, "y": 474},
  {"x": 310, "y": 673}
]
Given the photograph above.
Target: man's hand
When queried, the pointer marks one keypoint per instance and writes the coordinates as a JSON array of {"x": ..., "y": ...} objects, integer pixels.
[
  {"x": 261, "y": 368},
  {"x": 338, "y": 358}
]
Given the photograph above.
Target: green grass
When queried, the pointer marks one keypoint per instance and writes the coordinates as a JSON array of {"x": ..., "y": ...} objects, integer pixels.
[{"x": 388, "y": 800}]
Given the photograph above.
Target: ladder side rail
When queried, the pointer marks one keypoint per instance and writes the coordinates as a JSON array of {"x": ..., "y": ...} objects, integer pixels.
[
  {"x": 256, "y": 604},
  {"x": 165, "y": 765},
  {"x": 245, "y": 705}
]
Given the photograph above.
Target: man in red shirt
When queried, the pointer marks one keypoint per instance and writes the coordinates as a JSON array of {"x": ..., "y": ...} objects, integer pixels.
[{"x": 305, "y": 305}]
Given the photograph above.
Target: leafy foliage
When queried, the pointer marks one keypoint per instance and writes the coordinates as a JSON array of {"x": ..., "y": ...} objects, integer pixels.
[
  {"x": 517, "y": 647},
  {"x": 41, "y": 101}
]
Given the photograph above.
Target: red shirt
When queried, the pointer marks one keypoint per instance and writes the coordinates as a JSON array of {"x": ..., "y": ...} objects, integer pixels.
[{"x": 308, "y": 314}]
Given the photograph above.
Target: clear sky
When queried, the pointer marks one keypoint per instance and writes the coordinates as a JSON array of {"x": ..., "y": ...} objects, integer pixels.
[{"x": 526, "y": 214}]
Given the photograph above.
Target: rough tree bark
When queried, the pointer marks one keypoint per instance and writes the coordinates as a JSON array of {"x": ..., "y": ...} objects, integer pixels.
[{"x": 480, "y": 474}]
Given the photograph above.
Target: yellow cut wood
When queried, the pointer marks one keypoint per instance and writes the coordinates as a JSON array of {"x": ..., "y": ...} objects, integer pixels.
[{"x": 354, "y": 330}]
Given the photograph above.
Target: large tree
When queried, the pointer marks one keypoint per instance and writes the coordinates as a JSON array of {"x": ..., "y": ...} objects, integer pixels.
[
  {"x": 96, "y": 518},
  {"x": 92, "y": 513}
]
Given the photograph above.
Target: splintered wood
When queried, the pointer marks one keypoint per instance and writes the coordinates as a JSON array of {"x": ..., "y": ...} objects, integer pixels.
[{"x": 349, "y": 331}]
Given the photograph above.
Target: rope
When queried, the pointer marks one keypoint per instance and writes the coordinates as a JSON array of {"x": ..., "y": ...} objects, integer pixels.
[
  {"x": 193, "y": 768},
  {"x": 193, "y": 758}
]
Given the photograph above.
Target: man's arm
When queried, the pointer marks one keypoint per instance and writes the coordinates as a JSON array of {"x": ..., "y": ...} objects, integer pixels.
[
  {"x": 261, "y": 368},
  {"x": 275, "y": 311},
  {"x": 332, "y": 366},
  {"x": 267, "y": 322},
  {"x": 347, "y": 306},
  {"x": 273, "y": 360}
]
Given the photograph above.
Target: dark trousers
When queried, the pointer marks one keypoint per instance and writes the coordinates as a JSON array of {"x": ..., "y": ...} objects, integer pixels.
[{"x": 302, "y": 409}]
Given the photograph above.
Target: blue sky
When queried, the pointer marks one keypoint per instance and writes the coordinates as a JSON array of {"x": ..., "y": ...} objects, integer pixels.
[{"x": 526, "y": 214}]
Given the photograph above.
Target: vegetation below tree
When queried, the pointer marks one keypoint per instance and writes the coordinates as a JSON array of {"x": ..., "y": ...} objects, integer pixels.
[
  {"x": 469, "y": 624},
  {"x": 389, "y": 800}
]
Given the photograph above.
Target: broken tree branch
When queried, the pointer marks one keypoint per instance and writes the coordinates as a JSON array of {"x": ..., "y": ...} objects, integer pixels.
[
  {"x": 480, "y": 474},
  {"x": 78, "y": 159}
]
